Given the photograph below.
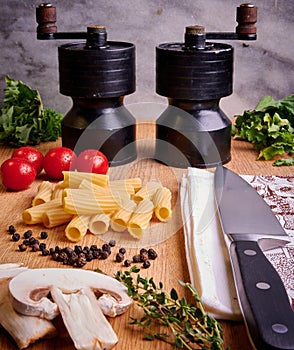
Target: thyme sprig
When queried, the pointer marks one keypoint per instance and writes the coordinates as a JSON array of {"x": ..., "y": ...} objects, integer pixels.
[{"x": 188, "y": 325}]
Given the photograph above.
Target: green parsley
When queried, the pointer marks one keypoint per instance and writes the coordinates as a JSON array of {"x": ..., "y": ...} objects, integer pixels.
[
  {"x": 269, "y": 127},
  {"x": 23, "y": 120},
  {"x": 187, "y": 324}
]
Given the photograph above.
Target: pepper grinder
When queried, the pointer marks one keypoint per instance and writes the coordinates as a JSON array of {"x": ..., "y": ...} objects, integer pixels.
[
  {"x": 96, "y": 74},
  {"x": 194, "y": 76}
]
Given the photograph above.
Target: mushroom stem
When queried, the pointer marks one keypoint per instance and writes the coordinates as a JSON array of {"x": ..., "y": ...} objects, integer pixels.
[{"x": 84, "y": 320}]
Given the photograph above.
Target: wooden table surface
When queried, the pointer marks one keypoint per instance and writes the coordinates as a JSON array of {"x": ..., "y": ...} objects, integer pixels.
[{"x": 169, "y": 267}]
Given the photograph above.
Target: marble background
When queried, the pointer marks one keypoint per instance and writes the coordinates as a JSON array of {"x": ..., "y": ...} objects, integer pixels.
[{"x": 264, "y": 67}]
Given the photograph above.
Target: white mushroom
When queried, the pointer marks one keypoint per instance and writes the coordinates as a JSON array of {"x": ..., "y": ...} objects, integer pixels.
[
  {"x": 23, "y": 329},
  {"x": 74, "y": 294}
]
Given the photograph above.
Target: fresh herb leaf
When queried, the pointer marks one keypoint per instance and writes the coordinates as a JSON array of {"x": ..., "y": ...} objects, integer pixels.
[
  {"x": 281, "y": 162},
  {"x": 23, "y": 120},
  {"x": 187, "y": 325},
  {"x": 269, "y": 127}
]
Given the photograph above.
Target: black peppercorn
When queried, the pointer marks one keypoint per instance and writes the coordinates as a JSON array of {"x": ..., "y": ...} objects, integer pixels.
[
  {"x": 22, "y": 247},
  {"x": 16, "y": 237},
  {"x": 11, "y": 229},
  {"x": 26, "y": 242},
  {"x": 44, "y": 235},
  {"x": 62, "y": 256},
  {"x": 112, "y": 243},
  {"x": 73, "y": 259},
  {"x": 28, "y": 234},
  {"x": 78, "y": 249},
  {"x": 35, "y": 247},
  {"x": 55, "y": 256},
  {"x": 68, "y": 250},
  {"x": 81, "y": 262},
  {"x": 136, "y": 258},
  {"x": 122, "y": 250},
  {"x": 45, "y": 252},
  {"x": 152, "y": 254},
  {"x": 104, "y": 255},
  {"x": 93, "y": 247},
  {"x": 42, "y": 246},
  {"x": 106, "y": 247},
  {"x": 127, "y": 263},
  {"x": 96, "y": 254},
  {"x": 89, "y": 256},
  {"x": 32, "y": 240},
  {"x": 143, "y": 251},
  {"x": 57, "y": 249},
  {"x": 143, "y": 256},
  {"x": 51, "y": 251},
  {"x": 119, "y": 257},
  {"x": 146, "y": 264}
]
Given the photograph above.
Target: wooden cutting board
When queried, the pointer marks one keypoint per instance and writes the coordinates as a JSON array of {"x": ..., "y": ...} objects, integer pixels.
[{"x": 169, "y": 267}]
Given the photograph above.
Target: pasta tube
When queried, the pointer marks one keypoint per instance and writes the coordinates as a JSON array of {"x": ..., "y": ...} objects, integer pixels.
[
  {"x": 56, "y": 216},
  {"x": 120, "y": 219},
  {"x": 73, "y": 179},
  {"x": 44, "y": 193},
  {"x": 118, "y": 192},
  {"x": 77, "y": 228},
  {"x": 57, "y": 192},
  {"x": 140, "y": 219},
  {"x": 84, "y": 202},
  {"x": 130, "y": 185},
  {"x": 162, "y": 204},
  {"x": 34, "y": 215},
  {"x": 99, "y": 224},
  {"x": 147, "y": 191}
]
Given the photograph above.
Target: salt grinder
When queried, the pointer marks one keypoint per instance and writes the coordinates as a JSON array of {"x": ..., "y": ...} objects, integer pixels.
[
  {"x": 96, "y": 74},
  {"x": 194, "y": 76}
]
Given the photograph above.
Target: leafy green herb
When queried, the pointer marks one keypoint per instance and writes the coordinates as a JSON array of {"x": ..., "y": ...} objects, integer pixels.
[
  {"x": 23, "y": 120},
  {"x": 269, "y": 127},
  {"x": 187, "y": 325}
]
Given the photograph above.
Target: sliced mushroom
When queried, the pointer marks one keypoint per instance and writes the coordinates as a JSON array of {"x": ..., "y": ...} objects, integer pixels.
[
  {"x": 74, "y": 294},
  {"x": 23, "y": 329}
]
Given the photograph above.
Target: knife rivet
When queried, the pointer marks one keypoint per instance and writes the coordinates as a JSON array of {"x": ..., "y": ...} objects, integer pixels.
[
  {"x": 250, "y": 252},
  {"x": 263, "y": 285},
  {"x": 279, "y": 328}
]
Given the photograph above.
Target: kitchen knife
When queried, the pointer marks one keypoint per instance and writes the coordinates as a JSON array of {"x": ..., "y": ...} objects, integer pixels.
[{"x": 250, "y": 223}]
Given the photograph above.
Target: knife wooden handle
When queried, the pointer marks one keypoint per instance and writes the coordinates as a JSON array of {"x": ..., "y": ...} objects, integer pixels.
[{"x": 263, "y": 298}]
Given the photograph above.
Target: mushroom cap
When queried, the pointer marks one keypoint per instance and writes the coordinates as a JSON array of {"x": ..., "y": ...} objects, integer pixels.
[{"x": 30, "y": 290}]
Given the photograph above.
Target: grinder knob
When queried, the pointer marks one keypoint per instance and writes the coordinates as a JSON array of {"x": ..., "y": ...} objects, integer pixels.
[
  {"x": 246, "y": 17},
  {"x": 46, "y": 18}
]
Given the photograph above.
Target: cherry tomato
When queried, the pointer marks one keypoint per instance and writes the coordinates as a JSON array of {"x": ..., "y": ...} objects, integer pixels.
[
  {"x": 17, "y": 174},
  {"x": 57, "y": 160},
  {"x": 92, "y": 161},
  {"x": 32, "y": 155}
]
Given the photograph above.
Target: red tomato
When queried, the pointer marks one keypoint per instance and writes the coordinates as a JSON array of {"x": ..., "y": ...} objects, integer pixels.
[
  {"x": 92, "y": 161},
  {"x": 57, "y": 160},
  {"x": 17, "y": 174},
  {"x": 32, "y": 155}
]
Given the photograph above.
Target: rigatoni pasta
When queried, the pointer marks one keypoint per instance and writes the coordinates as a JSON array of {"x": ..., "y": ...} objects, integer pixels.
[
  {"x": 99, "y": 224},
  {"x": 140, "y": 219},
  {"x": 77, "y": 228},
  {"x": 73, "y": 179},
  {"x": 162, "y": 204},
  {"x": 84, "y": 202},
  {"x": 147, "y": 191},
  {"x": 92, "y": 202},
  {"x": 120, "y": 219},
  {"x": 55, "y": 216},
  {"x": 34, "y": 215},
  {"x": 44, "y": 194}
]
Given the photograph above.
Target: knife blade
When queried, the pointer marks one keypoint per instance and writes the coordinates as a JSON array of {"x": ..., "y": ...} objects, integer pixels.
[{"x": 246, "y": 218}]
